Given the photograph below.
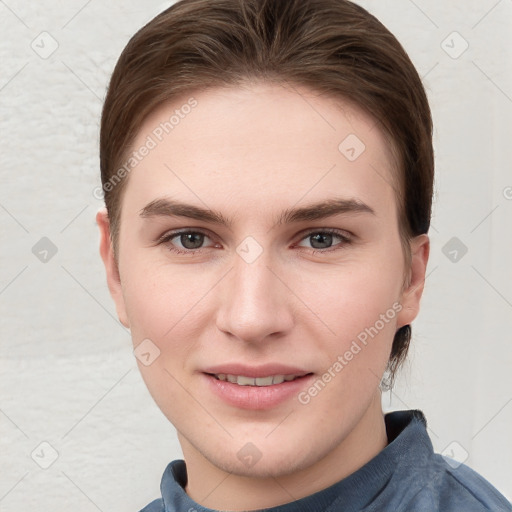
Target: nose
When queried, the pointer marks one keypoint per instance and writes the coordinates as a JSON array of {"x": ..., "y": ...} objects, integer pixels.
[{"x": 254, "y": 303}]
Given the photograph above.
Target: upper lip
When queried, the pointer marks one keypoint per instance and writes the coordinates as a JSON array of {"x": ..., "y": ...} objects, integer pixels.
[{"x": 264, "y": 370}]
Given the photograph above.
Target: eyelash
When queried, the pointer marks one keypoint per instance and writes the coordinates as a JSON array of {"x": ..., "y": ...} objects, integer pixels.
[{"x": 167, "y": 237}]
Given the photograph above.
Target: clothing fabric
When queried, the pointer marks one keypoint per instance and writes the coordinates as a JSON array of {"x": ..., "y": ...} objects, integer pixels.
[{"x": 406, "y": 476}]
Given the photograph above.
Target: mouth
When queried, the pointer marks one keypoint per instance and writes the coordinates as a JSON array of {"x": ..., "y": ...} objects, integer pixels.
[
  {"x": 243, "y": 380},
  {"x": 256, "y": 388}
]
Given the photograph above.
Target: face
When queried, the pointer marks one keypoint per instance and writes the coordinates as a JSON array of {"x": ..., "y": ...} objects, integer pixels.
[{"x": 260, "y": 267}]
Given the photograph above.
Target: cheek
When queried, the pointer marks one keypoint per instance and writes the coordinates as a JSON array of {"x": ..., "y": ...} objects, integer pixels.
[
  {"x": 174, "y": 308},
  {"x": 163, "y": 307},
  {"x": 160, "y": 301},
  {"x": 357, "y": 311},
  {"x": 361, "y": 308},
  {"x": 164, "y": 302},
  {"x": 351, "y": 296}
]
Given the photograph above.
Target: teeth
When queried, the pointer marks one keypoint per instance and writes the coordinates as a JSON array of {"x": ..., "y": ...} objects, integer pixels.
[
  {"x": 263, "y": 381},
  {"x": 242, "y": 380},
  {"x": 245, "y": 381}
]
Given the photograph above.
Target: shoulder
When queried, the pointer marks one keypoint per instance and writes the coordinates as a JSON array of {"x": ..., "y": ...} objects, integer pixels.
[
  {"x": 451, "y": 487},
  {"x": 424, "y": 481},
  {"x": 461, "y": 486}
]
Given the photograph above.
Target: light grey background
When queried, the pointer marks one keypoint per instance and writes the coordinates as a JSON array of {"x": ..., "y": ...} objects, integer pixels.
[{"x": 68, "y": 375}]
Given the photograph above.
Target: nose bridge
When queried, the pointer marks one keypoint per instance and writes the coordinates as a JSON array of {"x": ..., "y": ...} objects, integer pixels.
[{"x": 255, "y": 303}]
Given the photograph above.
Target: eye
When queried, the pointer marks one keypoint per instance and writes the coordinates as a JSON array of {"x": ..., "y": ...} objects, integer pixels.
[
  {"x": 184, "y": 242},
  {"x": 192, "y": 241},
  {"x": 325, "y": 240}
]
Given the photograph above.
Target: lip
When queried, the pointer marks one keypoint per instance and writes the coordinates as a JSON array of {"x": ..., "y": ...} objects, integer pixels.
[{"x": 256, "y": 397}]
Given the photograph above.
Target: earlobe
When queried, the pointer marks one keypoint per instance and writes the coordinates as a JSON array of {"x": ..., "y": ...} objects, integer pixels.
[
  {"x": 111, "y": 268},
  {"x": 411, "y": 295}
]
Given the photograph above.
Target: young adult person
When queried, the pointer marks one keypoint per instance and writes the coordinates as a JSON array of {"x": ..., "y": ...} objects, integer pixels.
[{"x": 268, "y": 171}]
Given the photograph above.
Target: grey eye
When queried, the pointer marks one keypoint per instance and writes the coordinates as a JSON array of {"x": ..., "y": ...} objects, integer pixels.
[
  {"x": 321, "y": 240},
  {"x": 191, "y": 240}
]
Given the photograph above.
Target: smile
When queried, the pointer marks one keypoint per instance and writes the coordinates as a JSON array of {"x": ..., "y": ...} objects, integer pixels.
[
  {"x": 261, "y": 387},
  {"x": 243, "y": 380}
]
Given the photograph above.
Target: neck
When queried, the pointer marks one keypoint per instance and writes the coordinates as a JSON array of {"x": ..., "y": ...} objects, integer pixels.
[{"x": 214, "y": 488}]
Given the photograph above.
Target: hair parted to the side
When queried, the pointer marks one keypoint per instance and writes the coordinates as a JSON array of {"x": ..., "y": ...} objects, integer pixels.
[{"x": 333, "y": 47}]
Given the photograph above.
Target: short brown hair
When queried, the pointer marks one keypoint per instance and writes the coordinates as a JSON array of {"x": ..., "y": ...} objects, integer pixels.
[{"x": 333, "y": 47}]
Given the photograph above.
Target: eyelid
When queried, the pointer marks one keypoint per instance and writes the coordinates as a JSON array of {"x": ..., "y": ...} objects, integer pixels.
[
  {"x": 173, "y": 233},
  {"x": 335, "y": 231}
]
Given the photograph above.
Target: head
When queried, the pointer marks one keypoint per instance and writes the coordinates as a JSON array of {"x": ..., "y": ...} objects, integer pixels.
[{"x": 238, "y": 117}]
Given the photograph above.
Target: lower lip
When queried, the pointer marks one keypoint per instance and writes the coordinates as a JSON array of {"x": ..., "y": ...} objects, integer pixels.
[{"x": 256, "y": 397}]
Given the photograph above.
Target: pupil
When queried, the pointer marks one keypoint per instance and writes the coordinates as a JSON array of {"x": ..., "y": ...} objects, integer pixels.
[
  {"x": 323, "y": 239},
  {"x": 191, "y": 240}
]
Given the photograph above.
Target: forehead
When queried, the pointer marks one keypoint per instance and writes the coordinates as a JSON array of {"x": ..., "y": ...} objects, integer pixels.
[{"x": 258, "y": 146}]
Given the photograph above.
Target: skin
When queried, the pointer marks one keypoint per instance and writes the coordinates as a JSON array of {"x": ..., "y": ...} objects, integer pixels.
[{"x": 251, "y": 153}]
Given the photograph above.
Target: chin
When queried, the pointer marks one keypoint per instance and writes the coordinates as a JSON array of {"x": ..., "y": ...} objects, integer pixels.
[
  {"x": 261, "y": 458},
  {"x": 266, "y": 467}
]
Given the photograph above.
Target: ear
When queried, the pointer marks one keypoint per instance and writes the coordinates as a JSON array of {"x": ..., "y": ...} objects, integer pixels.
[
  {"x": 413, "y": 288},
  {"x": 107, "y": 255}
]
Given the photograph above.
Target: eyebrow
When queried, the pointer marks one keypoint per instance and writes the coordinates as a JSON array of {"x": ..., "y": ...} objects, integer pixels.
[{"x": 164, "y": 207}]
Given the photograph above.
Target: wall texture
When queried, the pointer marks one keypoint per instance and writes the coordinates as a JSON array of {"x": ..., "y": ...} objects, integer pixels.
[{"x": 78, "y": 428}]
